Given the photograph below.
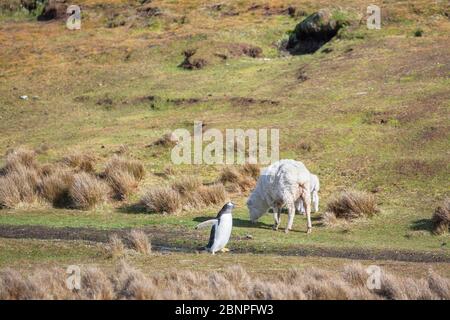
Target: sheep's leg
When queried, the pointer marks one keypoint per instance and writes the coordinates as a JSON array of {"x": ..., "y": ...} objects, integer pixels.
[
  {"x": 315, "y": 200},
  {"x": 307, "y": 201},
  {"x": 276, "y": 217},
  {"x": 299, "y": 206},
  {"x": 291, "y": 210}
]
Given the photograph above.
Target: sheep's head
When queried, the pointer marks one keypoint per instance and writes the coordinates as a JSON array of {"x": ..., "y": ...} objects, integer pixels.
[{"x": 257, "y": 206}]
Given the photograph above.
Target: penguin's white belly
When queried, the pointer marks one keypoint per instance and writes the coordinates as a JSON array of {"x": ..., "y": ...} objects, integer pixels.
[{"x": 223, "y": 233}]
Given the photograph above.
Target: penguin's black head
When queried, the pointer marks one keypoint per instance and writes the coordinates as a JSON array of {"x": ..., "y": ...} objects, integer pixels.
[
  {"x": 230, "y": 205},
  {"x": 226, "y": 208}
]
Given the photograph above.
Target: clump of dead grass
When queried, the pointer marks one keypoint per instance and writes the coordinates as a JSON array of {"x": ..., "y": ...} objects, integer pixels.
[
  {"x": 19, "y": 186},
  {"x": 214, "y": 194},
  {"x": 167, "y": 140},
  {"x": 115, "y": 247},
  {"x": 80, "y": 162},
  {"x": 69, "y": 183},
  {"x": 20, "y": 157},
  {"x": 187, "y": 184},
  {"x": 161, "y": 200},
  {"x": 123, "y": 176},
  {"x": 87, "y": 192},
  {"x": 55, "y": 186},
  {"x": 195, "y": 195},
  {"x": 140, "y": 242},
  {"x": 349, "y": 205},
  {"x": 133, "y": 167},
  {"x": 240, "y": 179},
  {"x": 127, "y": 282},
  {"x": 441, "y": 217}
]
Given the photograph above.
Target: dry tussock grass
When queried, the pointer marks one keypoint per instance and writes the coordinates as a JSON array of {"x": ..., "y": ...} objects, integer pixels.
[
  {"x": 186, "y": 193},
  {"x": 161, "y": 200},
  {"x": 80, "y": 162},
  {"x": 140, "y": 242},
  {"x": 70, "y": 183},
  {"x": 195, "y": 195},
  {"x": 133, "y": 167},
  {"x": 240, "y": 179},
  {"x": 167, "y": 140},
  {"x": 441, "y": 218},
  {"x": 20, "y": 157},
  {"x": 349, "y": 205},
  {"x": 87, "y": 192},
  {"x": 122, "y": 184},
  {"x": 55, "y": 187},
  {"x": 211, "y": 195},
  {"x": 187, "y": 184},
  {"x": 126, "y": 282},
  {"x": 251, "y": 170},
  {"x": 115, "y": 247},
  {"x": 123, "y": 176},
  {"x": 19, "y": 186},
  {"x": 169, "y": 171}
]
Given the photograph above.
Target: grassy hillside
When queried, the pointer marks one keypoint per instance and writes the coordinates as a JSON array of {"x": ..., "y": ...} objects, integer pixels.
[{"x": 371, "y": 112}]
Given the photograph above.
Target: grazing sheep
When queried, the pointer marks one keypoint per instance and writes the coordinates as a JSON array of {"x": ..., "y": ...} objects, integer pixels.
[
  {"x": 315, "y": 187},
  {"x": 284, "y": 183}
]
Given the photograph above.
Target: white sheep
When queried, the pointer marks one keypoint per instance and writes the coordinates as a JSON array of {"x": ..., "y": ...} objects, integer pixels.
[
  {"x": 315, "y": 188},
  {"x": 285, "y": 183}
]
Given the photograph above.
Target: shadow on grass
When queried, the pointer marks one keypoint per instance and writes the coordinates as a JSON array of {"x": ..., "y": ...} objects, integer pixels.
[
  {"x": 240, "y": 223},
  {"x": 422, "y": 225},
  {"x": 135, "y": 208}
]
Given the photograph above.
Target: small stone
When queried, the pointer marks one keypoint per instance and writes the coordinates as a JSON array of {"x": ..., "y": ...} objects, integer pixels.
[{"x": 24, "y": 97}]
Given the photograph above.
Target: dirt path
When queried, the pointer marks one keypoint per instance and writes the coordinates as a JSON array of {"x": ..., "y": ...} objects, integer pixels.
[{"x": 180, "y": 239}]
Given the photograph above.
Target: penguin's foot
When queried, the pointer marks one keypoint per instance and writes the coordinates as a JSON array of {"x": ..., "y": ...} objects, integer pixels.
[
  {"x": 275, "y": 227},
  {"x": 309, "y": 230},
  {"x": 224, "y": 250},
  {"x": 286, "y": 230}
]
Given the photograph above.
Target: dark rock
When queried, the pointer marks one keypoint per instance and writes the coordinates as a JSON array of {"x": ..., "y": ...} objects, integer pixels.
[
  {"x": 54, "y": 9},
  {"x": 313, "y": 32}
]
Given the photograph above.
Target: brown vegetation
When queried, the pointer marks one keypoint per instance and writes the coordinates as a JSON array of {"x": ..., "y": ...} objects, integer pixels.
[
  {"x": 140, "y": 242},
  {"x": 189, "y": 63},
  {"x": 134, "y": 167},
  {"x": 116, "y": 248},
  {"x": 127, "y": 282},
  {"x": 441, "y": 217},
  {"x": 20, "y": 157},
  {"x": 161, "y": 200},
  {"x": 350, "y": 204},
  {"x": 187, "y": 184},
  {"x": 167, "y": 140},
  {"x": 55, "y": 186},
  {"x": 240, "y": 179},
  {"x": 212, "y": 195},
  {"x": 80, "y": 162},
  {"x": 123, "y": 176},
  {"x": 69, "y": 183},
  {"x": 19, "y": 178},
  {"x": 87, "y": 192}
]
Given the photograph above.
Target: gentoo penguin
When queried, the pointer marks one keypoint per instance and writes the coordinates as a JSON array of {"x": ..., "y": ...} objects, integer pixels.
[{"x": 220, "y": 230}]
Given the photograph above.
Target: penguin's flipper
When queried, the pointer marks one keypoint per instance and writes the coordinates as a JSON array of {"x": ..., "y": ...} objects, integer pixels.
[{"x": 207, "y": 223}]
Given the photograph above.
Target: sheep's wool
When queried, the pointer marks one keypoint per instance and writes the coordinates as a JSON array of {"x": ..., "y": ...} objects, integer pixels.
[{"x": 278, "y": 183}]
